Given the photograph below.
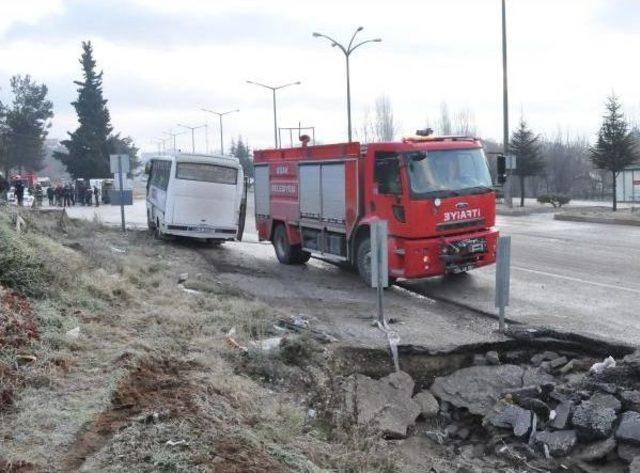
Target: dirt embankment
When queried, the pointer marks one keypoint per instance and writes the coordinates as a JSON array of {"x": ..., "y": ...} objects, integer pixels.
[{"x": 109, "y": 364}]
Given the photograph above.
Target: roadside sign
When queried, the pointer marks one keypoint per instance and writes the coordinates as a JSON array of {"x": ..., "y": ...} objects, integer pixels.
[
  {"x": 119, "y": 164},
  {"x": 510, "y": 161},
  {"x": 124, "y": 162}
]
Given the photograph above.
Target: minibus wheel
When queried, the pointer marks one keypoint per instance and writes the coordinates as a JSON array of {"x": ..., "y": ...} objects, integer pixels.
[
  {"x": 150, "y": 224},
  {"x": 157, "y": 232}
]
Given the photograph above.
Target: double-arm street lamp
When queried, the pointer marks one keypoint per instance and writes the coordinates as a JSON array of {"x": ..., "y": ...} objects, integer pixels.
[
  {"x": 220, "y": 115},
  {"x": 347, "y": 52},
  {"x": 193, "y": 136},
  {"x": 275, "y": 116},
  {"x": 173, "y": 135}
]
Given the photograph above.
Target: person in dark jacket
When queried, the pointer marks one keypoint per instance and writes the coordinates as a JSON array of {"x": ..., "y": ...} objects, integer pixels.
[
  {"x": 96, "y": 195},
  {"x": 59, "y": 195},
  {"x": 19, "y": 192},
  {"x": 67, "y": 195},
  {"x": 50, "y": 195}
]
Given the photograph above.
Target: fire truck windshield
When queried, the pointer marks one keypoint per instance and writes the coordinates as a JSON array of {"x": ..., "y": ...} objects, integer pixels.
[{"x": 448, "y": 173}]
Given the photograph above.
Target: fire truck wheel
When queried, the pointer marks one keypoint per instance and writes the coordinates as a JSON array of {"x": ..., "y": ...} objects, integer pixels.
[
  {"x": 363, "y": 260},
  {"x": 303, "y": 257},
  {"x": 286, "y": 253}
]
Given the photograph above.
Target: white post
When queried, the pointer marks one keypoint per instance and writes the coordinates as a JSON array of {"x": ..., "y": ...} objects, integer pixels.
[
  {"x": 124, "y": 228},
  {"x": 379, "y": 263},
  {"x": 503, "y": 277}
]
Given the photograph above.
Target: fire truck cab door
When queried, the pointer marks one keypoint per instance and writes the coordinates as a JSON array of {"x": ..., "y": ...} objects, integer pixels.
[{"x": 387, "y": 187}]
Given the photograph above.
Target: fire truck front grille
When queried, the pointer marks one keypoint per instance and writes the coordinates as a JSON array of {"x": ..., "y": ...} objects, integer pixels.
[{"x": 441, "y": 227}]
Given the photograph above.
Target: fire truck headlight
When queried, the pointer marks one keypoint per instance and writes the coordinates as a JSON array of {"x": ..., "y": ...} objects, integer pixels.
[{"x": 437, "y": 202}]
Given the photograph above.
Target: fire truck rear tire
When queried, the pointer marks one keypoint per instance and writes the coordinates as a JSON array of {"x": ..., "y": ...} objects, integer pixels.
[
  {"x": 286, "y": 253},
  {"x": 303, "y": 257}
]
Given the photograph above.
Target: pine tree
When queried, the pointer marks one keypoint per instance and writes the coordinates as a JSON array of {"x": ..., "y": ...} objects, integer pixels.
[
  {"x": 88, "y": 146},
  {"x": 525, "y": 147},
  {"x": 616, "y": 147},
  {"x": 241, "y": 151},
  {"x": 117, "y": 145},
  {"x": 4, "y": 136},
  {"x": 26, "y": 124}
]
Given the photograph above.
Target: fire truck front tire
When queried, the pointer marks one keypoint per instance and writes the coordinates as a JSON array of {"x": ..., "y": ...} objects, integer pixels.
[{"x": 286, "y": 253}]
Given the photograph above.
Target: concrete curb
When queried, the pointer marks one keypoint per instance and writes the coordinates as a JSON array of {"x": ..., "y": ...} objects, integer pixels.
[
  {"x": 610, "y": 221},
  {"x": 522, "y": 213}
]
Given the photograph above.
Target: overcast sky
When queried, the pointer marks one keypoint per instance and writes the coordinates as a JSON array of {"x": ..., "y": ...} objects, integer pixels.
[{"x": 165, "y": 59}]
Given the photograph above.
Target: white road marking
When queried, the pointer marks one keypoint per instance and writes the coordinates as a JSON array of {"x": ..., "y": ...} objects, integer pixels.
[{"x": 584, "y": 281}]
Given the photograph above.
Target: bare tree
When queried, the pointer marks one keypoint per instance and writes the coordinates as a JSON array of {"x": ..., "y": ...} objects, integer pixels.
[
  {"x": 366, "y": 133},
  {"x": 380, "y": 127},
  {"x": 385, "y": 127},
  {"x": 464, "y": 122},
  {"x": 444, "y": 124}
]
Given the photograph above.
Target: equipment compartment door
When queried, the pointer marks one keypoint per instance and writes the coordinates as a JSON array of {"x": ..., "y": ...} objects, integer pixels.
[
  {"x": 310, "y": 204},
  {"x": 333, "y": 203}
]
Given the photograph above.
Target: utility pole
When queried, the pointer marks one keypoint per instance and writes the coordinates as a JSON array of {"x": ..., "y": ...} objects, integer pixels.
[
  {"x": 220, "y": 115},
  {"x": 347, "y": 53},
  {"x": 505, "y": 104},
  {"x": 193, "y": 135},
  {"x": 275, "y": 115}
]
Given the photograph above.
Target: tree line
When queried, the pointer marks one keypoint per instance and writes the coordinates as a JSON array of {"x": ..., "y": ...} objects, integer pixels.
[
  {"x": 561, "y": 164},
  {"x": 25, "y": 121}
]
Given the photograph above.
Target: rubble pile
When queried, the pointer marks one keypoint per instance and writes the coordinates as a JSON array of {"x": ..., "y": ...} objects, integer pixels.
[{"x": 544, "y": 411}]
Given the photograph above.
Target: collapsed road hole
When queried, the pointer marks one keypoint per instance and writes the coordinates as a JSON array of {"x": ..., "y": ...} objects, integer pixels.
[
  {"x": 542, "y": 401},
  {"x": 425, "y": 365}
]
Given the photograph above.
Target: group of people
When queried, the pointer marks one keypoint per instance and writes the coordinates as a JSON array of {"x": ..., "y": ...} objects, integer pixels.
[{"x": 65, "y": 195}]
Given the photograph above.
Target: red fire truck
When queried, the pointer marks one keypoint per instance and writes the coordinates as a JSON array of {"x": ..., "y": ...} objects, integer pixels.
[{"x": 435, "y": 193}]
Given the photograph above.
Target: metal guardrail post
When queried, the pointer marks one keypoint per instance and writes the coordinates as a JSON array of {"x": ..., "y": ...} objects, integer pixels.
[
  {"x": 503, "y": 265},
  {"x": 379, "y": 264}
]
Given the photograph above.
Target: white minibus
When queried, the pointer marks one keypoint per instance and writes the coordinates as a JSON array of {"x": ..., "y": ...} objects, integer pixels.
[{"x": 196, "y": 195}]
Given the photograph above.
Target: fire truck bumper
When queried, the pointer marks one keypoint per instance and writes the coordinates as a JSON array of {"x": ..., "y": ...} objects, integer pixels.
[{"x": 412, "y": 259}]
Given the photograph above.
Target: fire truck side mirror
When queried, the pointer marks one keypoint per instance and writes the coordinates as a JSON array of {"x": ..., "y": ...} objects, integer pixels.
[{"x": 501, "y": 163}]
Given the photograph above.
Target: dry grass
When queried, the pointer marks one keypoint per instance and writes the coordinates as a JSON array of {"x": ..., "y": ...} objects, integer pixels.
[{"x": 148, "y": 346}]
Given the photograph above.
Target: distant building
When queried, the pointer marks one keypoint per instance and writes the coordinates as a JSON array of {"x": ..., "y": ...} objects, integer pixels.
[{"x": 628, "y": 184}]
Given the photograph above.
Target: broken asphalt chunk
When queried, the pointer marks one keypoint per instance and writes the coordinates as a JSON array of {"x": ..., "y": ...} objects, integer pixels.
[
  {"x": 629, "y": 428},
  {"x": 560, "y": 442}
]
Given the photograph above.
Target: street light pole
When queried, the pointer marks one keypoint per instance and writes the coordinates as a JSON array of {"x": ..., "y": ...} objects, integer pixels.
[
  {"x": 173, "y": 137},
  {"x": 347, "y": 53},
  {"x": 220, "y": 115},
  {"x": 193, "y": 135},
  {"x": 275, "y": 115},
  {"x": 505, "y": 104}
]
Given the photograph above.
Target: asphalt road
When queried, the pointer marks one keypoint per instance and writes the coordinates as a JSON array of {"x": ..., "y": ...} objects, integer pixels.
[{"x": 579, "y": 277}]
